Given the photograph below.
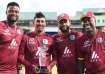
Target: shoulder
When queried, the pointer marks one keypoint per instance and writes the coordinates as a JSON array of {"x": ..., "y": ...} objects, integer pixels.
[
  {"x": 83, "y": 38},
  {"x": 49, "y": 37},
  {"x": 100, "y": 33},
  {"x": 2, "y": 24},
  {"x": 77, "y": 32},
  {"x": 56, "y": 35},
  {"x": 19, "y": 27},
  {"x": 20, "y": 30},
  {"x": 30, "y": 34}
]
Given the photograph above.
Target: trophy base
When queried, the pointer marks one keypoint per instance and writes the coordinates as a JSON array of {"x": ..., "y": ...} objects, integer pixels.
[{"x": 42, "y": 70}]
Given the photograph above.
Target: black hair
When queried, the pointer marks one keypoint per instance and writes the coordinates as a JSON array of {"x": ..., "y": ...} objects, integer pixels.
[
  {"x": 39, "y": 15},
  {"x": 13, "y": 4}
]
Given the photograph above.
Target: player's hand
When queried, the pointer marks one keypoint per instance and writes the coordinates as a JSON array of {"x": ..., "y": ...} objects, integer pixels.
[
  {"x": 49, "y": 68},
  {"x": 35, "y": 68}
]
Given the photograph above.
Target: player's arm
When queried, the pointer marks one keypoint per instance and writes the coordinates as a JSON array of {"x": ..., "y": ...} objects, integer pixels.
[
  {"x": 21, "y": 54},
  {"x": 52, "y": 52},
  {"x": 80, "y": 61},
  {"x": 51, "y": 65},
  {"x": 79, "y": 34},
  {"x": 80, "y": 58}
]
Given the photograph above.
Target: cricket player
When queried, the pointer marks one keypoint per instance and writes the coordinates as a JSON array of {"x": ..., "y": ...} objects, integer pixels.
[
  {"x": 34, "y": 47},
  {"x": 92, "y": 45},
  {"x": 10, "y": 38},
  {"x": 63, "y": 49}
]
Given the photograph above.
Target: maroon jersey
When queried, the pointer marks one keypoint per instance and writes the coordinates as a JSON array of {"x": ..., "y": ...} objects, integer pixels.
[
  {"x": 9, "y": 45},
  {"x": 31, "y": 45},
  {"x": 93, "y": 52},
  {"x": 64, "y": 51}
]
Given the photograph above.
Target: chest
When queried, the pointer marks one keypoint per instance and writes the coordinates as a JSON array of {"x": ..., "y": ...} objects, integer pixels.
[
  {"x": 65, "y": 45},
  {"x": 97, "y": 44},
  {"x": 33, "y": 43}
]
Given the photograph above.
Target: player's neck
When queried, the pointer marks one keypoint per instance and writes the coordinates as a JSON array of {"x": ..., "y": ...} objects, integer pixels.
[
  {"x": 94, "y": 34},
  {"x": 11, "y": 24},
  {"x": 39, "y": 33},
  {"x": 65, "y": 33}
]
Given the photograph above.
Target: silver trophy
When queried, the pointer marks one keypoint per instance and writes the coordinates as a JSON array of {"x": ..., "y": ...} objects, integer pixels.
[{"x": 42, "y": 69}]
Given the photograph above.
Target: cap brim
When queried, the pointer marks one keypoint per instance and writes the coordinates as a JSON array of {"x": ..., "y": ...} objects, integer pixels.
[
  {"x": 63, "y": 19},
  {"x": 84, "y": 17}
]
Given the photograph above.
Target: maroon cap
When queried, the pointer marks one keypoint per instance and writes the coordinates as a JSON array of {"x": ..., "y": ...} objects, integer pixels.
[
  {"x": 88, "y": 15},
  {"x": 63, "y": 16}
]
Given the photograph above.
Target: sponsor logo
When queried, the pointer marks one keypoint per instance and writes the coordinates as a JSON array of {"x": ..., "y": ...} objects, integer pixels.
[
  {"x": 86, "y": 43},
  {"x": 31, "y": 41},
  {"x": 94, "y": 57},
  {"x": 67, "y": 52}
]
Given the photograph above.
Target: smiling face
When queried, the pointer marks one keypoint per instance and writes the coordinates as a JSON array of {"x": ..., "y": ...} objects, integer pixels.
[
  {"x": 40, "y": 24},
  {"x": 12, "y": 13},
  {"x": 64, "y": 25},
  {"x": 89, "y": 26}
]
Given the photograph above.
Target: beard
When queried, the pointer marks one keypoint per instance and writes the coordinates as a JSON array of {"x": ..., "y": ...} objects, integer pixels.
[
  {"x": 40, "y": 30},
  {"x": 11, "y": 20},
  {"x": 90, "y": 33},
  {"x": 64, "y": 30}
]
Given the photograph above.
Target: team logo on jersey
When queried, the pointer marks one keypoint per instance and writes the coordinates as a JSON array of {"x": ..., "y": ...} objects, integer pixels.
[
  {"x": 72, "y": 37},
  {"x": 31, "y": 41},
  {"x": 6, "y": 32},
  {"x": 99, "y": 39},
  {"x": 13, "y": 44},
  {"x": 45, "y": 41},
  {"x": 19, "y": 31},
  {"x": 59, "y": 39},
  {"x": 86, "y": 43}
]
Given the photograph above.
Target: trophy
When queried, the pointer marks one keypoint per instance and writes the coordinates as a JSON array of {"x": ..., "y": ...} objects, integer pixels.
[{"x": 42, "y": 68}]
